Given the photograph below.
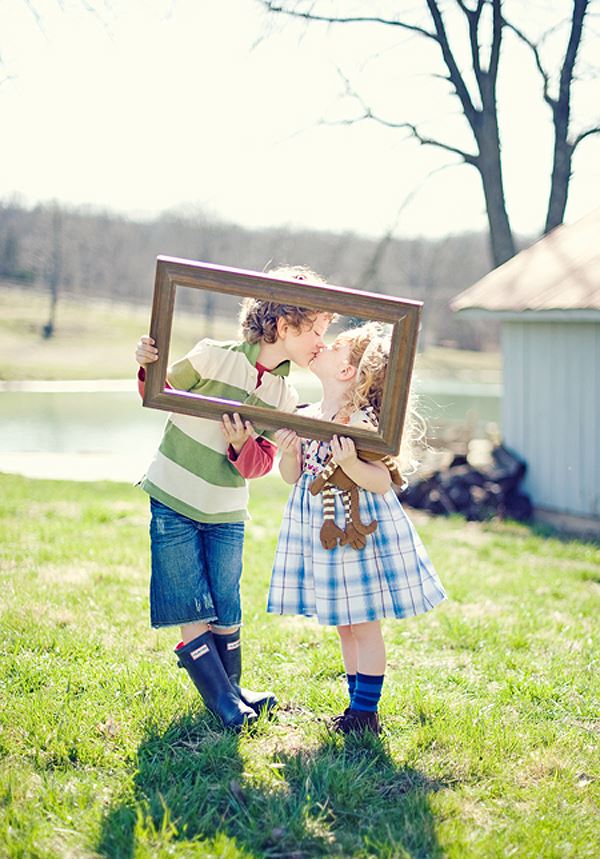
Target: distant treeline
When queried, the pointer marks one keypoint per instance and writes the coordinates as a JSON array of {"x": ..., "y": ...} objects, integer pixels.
[{"x": 92, "y": 254}]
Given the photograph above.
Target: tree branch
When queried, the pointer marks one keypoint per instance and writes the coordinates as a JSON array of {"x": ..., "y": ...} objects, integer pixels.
[
  {"x": 464, "y": 7},
  {"x": 583, "y": 135},
  {"x": 454, "y": 74},
  {"x": 473, "y": 16},
  {"x": 372, "y": 266},
  {"x": 497, "y": 24},
  {"x": 367, "y": 113},
  {"x": 358, "y": 19},
  {"x": 36, "y": 15},
  {"x": 566, "y": 73},
  {"x": 537, "y": 57},
  {"x": 468, "y": 157}
]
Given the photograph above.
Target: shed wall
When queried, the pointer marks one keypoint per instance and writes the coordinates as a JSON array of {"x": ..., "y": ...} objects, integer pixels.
[{"x": 551, "y": 411}]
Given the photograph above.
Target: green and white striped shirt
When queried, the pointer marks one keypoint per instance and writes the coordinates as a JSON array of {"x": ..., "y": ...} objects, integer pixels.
[{"x": 191, "y": 472}]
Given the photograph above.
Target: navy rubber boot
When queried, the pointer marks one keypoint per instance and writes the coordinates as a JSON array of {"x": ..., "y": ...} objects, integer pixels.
[
  {"x": 200, "y": 658},
  {"x": 229, "y": 647}
]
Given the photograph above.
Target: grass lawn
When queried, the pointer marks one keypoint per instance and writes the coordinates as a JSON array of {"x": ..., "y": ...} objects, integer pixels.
[{"x": 490, "y": 702}]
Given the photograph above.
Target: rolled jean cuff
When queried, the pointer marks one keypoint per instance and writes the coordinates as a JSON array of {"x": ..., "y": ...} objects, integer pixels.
[
  {"x": 236, "y": 625},
  {"x": 164, "y": 623}
]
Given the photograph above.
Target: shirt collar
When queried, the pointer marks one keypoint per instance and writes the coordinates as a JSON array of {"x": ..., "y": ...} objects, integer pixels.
[{"x": 251, "y": 351}]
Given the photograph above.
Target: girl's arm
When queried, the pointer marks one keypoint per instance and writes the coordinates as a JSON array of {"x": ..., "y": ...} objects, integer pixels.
[
  {"x": 289, "y": 447},
  {"x": 372, "y": 476}
]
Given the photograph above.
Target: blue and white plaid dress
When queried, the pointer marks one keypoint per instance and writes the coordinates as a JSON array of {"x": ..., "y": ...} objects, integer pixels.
[{"x": 391, "y": 577}]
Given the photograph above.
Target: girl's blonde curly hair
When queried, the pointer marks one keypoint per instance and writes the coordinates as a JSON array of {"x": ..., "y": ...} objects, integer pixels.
[
  {"x": 258, "y": 319},
  {"x": 369, "y": 353}
]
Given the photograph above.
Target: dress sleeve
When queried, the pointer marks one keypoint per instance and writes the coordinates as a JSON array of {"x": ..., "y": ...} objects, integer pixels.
[
  {"x": 255, "y": 458},
  {"x": 364, "y": 418}
]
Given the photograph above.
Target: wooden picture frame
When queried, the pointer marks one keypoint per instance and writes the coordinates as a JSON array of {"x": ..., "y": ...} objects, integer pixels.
[{"x": 403, "y": 315}]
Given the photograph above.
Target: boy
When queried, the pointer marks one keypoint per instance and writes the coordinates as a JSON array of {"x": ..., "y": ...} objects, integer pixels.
[{"x": 198, "y": 490}]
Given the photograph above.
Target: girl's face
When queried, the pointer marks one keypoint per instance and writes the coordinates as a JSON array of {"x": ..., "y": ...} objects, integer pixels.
[
  {"x": 331, "y": 361},
  {"x": 302, "y": 345}
]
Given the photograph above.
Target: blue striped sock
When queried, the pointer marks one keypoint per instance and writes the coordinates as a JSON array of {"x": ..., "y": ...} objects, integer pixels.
[
  {"x": 367, "y": 692},
  {"x": 351, "y": 678}
]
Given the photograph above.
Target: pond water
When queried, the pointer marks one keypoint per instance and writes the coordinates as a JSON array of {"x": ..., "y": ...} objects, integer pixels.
[{"x": 69, "y": 419}]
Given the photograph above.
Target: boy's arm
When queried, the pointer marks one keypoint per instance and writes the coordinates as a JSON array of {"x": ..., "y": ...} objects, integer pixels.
[
  {"x": 182, "y": 375},
  {"x": 255, "y": 459},
  {"x": 141, "y": 380},
  {"x": 256, "y": 456}
]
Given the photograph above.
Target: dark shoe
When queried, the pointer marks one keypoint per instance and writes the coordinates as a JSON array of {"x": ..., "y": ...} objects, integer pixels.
[
  {"x": 229, "y": 647},
  {"x": 337, "y": 720},
  {"x": 358, "y": 721},
  {"x": 201, "y": 660}
]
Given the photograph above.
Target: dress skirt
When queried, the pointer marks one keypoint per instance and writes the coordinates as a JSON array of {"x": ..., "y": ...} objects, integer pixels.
[{"x": 391, "y": 577}]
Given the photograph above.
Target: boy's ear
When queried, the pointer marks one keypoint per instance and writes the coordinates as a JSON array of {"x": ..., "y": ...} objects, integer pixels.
[
  {"x": 348, "y": 372},
  {"x": 282, "y": 327}
]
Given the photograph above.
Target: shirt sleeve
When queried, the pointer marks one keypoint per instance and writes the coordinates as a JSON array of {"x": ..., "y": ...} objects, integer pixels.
[
  {"x": 255, "y": 458},
  {"x": 288, "y": 403},
  {"x": 141, "y": 381},
  {"x": 183, "y": 375}
]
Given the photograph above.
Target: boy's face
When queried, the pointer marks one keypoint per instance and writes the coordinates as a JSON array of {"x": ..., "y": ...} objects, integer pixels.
[{"x": 304, "y": 344}]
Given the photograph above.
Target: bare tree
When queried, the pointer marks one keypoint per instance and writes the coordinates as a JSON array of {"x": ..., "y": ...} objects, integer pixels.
[
  {"x": 474, "y": 83},
  {"x": 54, "y": 268}
]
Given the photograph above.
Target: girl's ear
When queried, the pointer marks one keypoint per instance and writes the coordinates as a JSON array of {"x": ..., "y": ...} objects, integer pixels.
[{"x": 348, "y": 372}]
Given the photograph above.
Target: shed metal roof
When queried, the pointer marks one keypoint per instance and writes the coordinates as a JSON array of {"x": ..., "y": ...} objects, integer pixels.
[{"x": 561, "y": 271}]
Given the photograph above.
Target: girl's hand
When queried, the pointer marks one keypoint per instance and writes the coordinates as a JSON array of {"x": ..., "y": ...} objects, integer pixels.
[
  {"x": 343, "y": 449},
  {"x": 287, "y": 441},
  {"x": 236, "y": 431},
  {"x": 146, "y": 352}
]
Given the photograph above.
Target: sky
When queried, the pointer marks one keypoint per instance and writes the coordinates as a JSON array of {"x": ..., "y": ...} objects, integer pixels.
[{"x": 216, "y": 106}]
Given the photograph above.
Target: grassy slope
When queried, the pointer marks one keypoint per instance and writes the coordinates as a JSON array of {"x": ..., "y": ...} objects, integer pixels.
[
  {"x": 97, "y": 340},
  {"x": 93, "y": 340},
  {"x": 105, "y": 749}
]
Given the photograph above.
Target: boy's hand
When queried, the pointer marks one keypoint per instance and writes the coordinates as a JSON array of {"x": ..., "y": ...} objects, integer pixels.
[
  {"x": 343, "y": 449},
  {"x": 146, "y": 352},
  {"x": 287, "y": 441},
  {"x": 237, "y": 432}
]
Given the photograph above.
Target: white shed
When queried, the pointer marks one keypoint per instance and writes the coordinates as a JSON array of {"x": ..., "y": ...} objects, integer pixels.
[{"x": 547, "y": 299}]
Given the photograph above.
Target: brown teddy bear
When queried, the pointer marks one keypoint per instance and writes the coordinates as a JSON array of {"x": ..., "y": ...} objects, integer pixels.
[{"x": 333, "y": 477}]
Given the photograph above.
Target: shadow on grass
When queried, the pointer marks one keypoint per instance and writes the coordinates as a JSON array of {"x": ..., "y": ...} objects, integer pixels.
[{"x": 200, "y": 789}]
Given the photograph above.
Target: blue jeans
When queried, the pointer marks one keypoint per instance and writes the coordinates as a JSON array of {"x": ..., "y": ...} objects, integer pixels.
[{"x": 196, "y": 570}]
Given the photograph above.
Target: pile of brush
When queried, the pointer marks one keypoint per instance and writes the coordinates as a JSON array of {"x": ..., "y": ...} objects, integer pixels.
[{"x": 476, "y": 493}]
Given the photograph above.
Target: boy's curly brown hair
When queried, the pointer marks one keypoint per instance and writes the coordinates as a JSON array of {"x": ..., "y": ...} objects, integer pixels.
[{"x": 258, "y": 318}]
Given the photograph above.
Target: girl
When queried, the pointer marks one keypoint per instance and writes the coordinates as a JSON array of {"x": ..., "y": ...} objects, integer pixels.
[{"x": 351, "y": 589}]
